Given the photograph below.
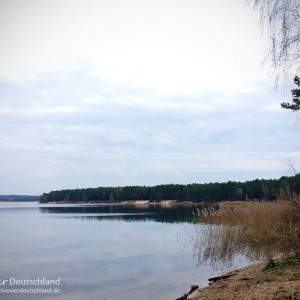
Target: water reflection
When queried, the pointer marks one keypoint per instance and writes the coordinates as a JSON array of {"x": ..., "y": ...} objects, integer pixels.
[
  {"x": 221, "y": 246},
  {"x": 156, "y": 213},
  {"x": 217, "y": 245},
  {"x": 112, "y": 256}
]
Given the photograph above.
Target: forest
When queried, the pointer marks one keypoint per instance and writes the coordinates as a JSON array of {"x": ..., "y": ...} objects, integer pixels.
[{"x": 258, "y": 189}]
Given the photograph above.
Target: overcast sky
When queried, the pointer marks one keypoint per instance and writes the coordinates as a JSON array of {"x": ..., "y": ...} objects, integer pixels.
[{"x": 137, "y": 92}]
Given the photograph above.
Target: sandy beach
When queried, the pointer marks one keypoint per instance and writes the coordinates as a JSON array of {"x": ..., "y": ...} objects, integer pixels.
[{"x": 280, "y": 281}]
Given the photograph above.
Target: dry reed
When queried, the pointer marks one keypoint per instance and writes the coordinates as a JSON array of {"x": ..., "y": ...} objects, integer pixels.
[
  {"x": 256, "y": 230},
  {"x": 260, "y": 222}
]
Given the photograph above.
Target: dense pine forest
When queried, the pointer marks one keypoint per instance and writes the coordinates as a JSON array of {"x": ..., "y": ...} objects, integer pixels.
[{"x": 268, "y": 189}]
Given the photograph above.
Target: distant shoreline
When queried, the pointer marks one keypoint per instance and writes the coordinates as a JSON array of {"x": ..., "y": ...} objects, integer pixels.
[
  {"x": 19, "y": 198},
  {"x": 128, "y": 202}
]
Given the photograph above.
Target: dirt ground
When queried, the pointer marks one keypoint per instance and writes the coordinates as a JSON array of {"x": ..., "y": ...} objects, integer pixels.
[{"x": 281, "y": 280}]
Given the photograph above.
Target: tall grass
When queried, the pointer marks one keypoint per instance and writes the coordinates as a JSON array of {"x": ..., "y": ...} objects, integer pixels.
[
  {"x": 290, "y": 196},
  {"x": 263, "y": 222},
  {"x": 255, "y": 229}
]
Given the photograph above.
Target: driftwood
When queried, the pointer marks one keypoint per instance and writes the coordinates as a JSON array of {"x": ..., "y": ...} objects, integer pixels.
[
  {"x": 221, "y": 277},
  {"x": 190, "y": 291},
  {"x": 211, "y": 280}
]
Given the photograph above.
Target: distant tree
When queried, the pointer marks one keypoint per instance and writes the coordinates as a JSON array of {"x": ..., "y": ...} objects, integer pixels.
[
  {"x": 296, "y": 100},
  {"x": 282, "y": 20}
]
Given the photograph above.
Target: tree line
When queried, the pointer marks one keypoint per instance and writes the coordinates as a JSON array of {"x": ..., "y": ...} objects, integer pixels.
[{"x": 258, "y": 189}]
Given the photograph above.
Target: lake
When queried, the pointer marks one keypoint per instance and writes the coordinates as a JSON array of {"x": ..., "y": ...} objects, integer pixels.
[{"x": 115, "y": 252}]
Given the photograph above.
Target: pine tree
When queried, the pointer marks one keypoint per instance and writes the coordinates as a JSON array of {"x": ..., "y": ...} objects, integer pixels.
[{"x": 295, "y": 106}]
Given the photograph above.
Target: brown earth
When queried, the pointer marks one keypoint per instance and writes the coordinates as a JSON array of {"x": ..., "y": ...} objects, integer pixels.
[{"x": 278, "y": 281}]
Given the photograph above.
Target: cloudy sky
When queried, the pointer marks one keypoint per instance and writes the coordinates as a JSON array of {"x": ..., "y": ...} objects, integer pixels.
[{"x": 137, "y": 92}]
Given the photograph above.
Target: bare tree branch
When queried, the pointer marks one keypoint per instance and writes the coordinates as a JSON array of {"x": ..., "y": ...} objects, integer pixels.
[{"x": 281, "y": 18}]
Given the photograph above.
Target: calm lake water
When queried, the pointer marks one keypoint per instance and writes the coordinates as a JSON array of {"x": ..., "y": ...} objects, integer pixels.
[{"x": 101, "y": 252}]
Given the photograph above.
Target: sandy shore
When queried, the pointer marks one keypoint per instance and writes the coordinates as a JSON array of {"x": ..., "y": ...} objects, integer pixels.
[{"x": 280, "y": 281}]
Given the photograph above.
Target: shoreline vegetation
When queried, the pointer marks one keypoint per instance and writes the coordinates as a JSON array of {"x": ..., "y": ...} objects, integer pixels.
[
  {"x": 258, "y": 189},
  {"x": 265, "y": 231}
]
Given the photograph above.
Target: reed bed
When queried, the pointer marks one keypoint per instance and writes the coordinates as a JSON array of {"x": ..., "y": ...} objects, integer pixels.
[
  {"x": 264, "y": 222},
  {"x": 254, "y": 229}
]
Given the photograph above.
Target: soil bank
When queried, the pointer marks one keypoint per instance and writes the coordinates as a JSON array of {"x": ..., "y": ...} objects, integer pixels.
[{"x": 279, "y": 280}]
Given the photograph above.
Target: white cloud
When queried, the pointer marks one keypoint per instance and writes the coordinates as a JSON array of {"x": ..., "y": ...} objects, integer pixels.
[
  {"x": 181, "y": 47},
  {"x": 135, "y": 92},
  {"x": 143, "y": 140}
]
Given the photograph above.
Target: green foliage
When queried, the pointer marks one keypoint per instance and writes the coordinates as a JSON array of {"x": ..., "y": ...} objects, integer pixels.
[
  {"x": 289, "y": 261},
  {"x": 295, "y": 106},
  {"x": 270, "y": 264},
  {"x": 208, "y": 192}
]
